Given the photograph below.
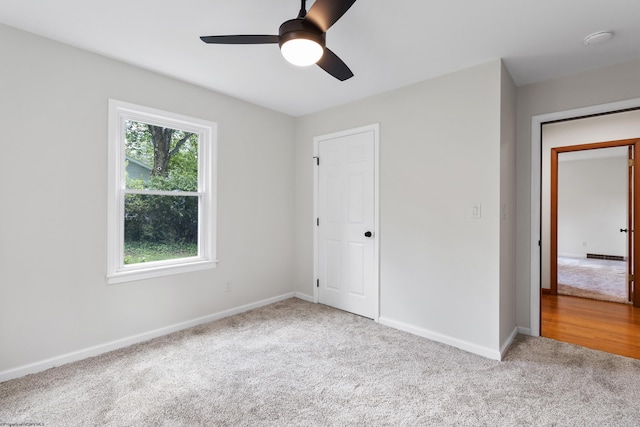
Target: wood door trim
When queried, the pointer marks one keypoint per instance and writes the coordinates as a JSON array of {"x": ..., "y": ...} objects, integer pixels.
[
  {"x": 636, "y": 216},
  {"x": 553, "y": 244},
  {"x": 630, "y": 223}
]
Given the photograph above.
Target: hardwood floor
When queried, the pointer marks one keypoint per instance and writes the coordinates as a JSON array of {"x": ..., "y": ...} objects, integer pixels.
[{"x": 606, "y": 326}]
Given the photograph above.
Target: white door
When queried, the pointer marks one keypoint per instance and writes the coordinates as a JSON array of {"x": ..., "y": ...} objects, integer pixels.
[{"x": 347, "y": 267}]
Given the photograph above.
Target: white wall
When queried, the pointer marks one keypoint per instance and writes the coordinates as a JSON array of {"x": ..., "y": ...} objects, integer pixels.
[
  {"x": 53, "y": 174},
  {"x": 507, "y": 209},
  {"x": 601, "y": 86},
  {"x": 592, "y": 206},
  {"x": 441, "y": 148}
]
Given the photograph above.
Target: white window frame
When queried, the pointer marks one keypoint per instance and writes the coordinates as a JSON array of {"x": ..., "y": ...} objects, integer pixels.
[{"x": 117, "y": 271}]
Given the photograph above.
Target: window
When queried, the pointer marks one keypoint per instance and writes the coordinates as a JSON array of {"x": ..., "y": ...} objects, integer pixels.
[{"x": 162, "y": 210}]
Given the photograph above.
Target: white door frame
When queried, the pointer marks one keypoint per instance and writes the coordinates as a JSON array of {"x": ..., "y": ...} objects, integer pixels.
[
  {"x": 376, "y": 195},
  {"x": 536, "y": 175}
]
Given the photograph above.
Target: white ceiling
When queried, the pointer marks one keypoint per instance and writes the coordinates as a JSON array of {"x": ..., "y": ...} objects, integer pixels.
[{"x": 387, "y": 44}]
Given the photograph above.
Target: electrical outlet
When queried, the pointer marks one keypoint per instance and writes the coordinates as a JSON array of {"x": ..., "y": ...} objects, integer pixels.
[{"x": 228, "y": 287}]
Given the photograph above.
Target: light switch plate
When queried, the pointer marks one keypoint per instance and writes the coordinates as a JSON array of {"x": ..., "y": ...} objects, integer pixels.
[{"x": 476, "y": 211}]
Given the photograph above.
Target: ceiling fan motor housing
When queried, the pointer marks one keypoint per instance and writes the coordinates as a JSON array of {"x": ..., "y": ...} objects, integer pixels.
[{"x": 301, "y": 29}]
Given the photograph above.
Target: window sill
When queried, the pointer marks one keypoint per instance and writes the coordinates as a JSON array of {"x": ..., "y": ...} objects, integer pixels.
[{"x": 133, "y": 274}]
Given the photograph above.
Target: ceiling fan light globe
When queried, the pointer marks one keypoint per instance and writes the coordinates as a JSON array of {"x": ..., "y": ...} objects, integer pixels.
[{"x": 302, "y": 52}]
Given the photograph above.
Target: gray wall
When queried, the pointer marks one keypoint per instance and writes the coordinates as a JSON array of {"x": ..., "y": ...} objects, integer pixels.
[
  {"x": 507, "y": 209},
  {"x": 53, "y": 296},
  {"x": 442, "y": 149},
  {"x": 601, "y": 86},
  {"x": 592, "y": 206}
]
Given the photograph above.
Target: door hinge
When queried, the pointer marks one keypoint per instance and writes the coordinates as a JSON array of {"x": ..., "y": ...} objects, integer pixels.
[
  {"x": 631, "y": 163},
  {"x": 317, "y": 160},
  {"x": 317, "y": 283},
  {"x": 630, "y": 278}
]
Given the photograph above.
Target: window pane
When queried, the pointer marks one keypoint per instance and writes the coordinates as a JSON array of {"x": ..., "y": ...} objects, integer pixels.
[
  {"x": 160, "y": 227},
  {"x": 160, "y": 158}
]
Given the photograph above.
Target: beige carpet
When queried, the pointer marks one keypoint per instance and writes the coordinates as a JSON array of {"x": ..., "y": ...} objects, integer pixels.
[
  {"x": 593, "y": 278},
  {"x": 299, "y": 364}
]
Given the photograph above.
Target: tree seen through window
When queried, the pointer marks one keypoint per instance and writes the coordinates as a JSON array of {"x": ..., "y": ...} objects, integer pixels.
[{"x": 161, "y": 203}]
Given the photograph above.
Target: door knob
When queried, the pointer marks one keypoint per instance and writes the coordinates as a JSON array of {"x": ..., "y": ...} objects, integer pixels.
[
  {"x": 368, "y": 234},
  {"x": 623, "y": 230}
]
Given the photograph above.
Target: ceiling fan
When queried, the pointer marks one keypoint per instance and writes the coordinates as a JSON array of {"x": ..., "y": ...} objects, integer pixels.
[{"x": 302, "y": 40}]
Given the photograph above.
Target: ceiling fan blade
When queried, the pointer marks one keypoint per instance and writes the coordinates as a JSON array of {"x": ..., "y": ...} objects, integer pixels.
[
  {"x": 325, "y": 13},
  {"x": 334, "y": 65},
  {"x": 241, "y": 39}
]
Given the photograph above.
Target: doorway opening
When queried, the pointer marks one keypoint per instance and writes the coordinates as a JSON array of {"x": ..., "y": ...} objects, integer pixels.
[
  {"x": 586, "y": 322},
  {"x": 537, "y": 237},
  {"x": 591, "y": 243}
]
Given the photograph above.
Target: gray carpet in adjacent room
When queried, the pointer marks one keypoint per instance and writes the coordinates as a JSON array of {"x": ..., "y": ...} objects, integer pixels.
[
  {"x": 301, "y": 364},
  {"x": 600, "y": 279}
]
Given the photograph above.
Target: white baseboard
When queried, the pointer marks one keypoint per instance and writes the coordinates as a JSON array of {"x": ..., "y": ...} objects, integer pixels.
[
  {"x": 125, "y": 342},
  {"x": 524, "y": 331},
  {"x": 304, "y": 297},
  {"x": 505, "y": 345},
  {"x": 566, "y": 255},
  {"x": 434, "y": 336}
]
